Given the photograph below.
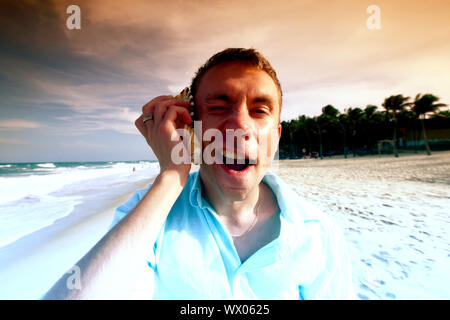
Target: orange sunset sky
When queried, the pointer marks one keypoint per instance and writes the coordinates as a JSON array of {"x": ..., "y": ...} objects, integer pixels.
[{"x": 73, "y": 95}]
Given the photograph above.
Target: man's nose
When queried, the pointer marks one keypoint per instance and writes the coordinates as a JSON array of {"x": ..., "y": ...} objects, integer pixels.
[
  {"x": 239, "y": 119},
  {"x": 240, "y": 122}
]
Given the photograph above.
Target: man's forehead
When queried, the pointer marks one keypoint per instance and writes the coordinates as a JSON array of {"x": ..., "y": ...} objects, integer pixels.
[
  {"x": 225, "y": 94},
  {"x": 235, "y": 79}
]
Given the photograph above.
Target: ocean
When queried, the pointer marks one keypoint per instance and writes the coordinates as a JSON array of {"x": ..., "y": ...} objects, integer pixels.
[{"x": 35, "y": 195}]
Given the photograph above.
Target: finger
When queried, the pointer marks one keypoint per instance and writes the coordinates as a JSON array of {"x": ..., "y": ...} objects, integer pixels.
[
  {"x": 174, "y": 113},
  {"x": 140, "y": 125},
  {"x": 161, "y": 108},
  {"x": 141, "y": 122},
  {"x": 147, "y": 109}
]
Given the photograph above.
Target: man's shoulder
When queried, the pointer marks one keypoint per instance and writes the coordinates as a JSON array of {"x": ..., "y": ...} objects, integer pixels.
[
  {"x": 301, "y": 213},
  {"x": 137, "y": 196},
  {"x": 127, "y": 206},
  {"x": 295, "y": 207},
  {"x": 324, "y": 238}
]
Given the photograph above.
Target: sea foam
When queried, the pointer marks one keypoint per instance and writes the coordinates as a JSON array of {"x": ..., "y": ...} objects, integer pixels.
[
  {"x": 20, "y": 218},
  {"x": 48, "y": 192}
]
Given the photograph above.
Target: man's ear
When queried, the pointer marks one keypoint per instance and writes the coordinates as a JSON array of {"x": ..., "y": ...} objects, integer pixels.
[{"x": 279, "y": 131}]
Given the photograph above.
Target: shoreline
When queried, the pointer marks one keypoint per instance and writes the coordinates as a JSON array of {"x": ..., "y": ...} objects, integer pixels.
[{"x": 32, "y": 264}]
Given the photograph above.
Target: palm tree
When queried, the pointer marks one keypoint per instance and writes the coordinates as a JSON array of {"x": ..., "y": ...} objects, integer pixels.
[
  {"x": 343, "y": 122},
  {"x": 394, "y": 104},
  {"x": 407, "y": 119},
  {"x": 441, "y": 114},
  {"x": 354, "y": 116},
  {"x": 422, "y": 105},
  {"x": 320, "y": 122},
  {"x": 310, "y": 124},
  {"x": 292, "y": 128},
  {"x": 369, "y": 119},
  {"x": 332, "y": 127},
  {"x": 330, "y": 111},
  {"x": 289, "y": 129},
  {"x": 324, "y": 124}
]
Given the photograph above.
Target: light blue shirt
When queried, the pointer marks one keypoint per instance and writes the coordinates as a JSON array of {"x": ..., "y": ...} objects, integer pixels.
[{"x": 194, "y": 256}]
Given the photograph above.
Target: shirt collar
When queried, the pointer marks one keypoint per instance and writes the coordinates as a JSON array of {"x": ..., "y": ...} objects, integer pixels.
[
  {"x": 195, "y": 191},
  {"x": 292, "y": 216},
  {"x": 284, "y": 196}
]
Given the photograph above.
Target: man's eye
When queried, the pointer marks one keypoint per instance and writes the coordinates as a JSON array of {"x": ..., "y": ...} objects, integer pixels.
[
  {"x": 260, "y": 110},
  {"x": 218, "y": 108}
]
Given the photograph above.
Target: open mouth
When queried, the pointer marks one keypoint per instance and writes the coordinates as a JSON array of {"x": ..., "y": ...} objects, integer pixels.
[{"x": 236, "y": 163}]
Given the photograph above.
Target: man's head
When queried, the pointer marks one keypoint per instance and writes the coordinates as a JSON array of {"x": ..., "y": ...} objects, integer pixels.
[
  {"x": 237, "y": 91},
  {"x": 249, "y": 57}
]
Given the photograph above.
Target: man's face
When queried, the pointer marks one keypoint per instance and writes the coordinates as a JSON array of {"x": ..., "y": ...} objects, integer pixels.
[{"x": 235, "y": 97}]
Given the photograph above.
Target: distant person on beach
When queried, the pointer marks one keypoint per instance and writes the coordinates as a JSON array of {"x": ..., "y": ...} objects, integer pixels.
[{"x": 229, "y": 230}]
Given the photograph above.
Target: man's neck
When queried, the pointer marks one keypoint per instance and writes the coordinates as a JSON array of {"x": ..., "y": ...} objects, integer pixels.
[
  {"x": 233, "y": 209},
  {"x": 252, "y": 222}
]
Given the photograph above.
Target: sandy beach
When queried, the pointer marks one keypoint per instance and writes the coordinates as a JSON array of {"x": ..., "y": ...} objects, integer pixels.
[
  {"x": 393, "y": 212},
  {"x": 395, "y": 216}
]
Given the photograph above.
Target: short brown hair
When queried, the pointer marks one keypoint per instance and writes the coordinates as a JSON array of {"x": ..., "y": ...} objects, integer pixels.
[{"x": 240, "y": 55}]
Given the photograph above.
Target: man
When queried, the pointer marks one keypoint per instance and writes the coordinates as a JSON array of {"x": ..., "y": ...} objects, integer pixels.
[{"x": 229, "y": 230}]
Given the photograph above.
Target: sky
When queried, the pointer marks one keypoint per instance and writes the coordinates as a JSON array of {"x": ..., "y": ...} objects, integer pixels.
[{"x": 73, "y": 95}]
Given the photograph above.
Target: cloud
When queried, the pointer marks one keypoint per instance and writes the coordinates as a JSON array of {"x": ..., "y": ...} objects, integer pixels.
[
  {"x": 12, "y": 141},
  {"x": 98, "y": 78},
  {"x": 18, "y": 124},
  {"x": 82, "y": 144},
  {"x": 119, "y": 119}
]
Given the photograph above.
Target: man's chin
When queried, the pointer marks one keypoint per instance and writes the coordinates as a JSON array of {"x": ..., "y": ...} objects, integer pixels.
[{"x": 234, "y": 184}]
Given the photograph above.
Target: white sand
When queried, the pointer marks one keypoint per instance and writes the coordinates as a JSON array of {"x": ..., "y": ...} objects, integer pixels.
[{"x": 394, "y": 213}]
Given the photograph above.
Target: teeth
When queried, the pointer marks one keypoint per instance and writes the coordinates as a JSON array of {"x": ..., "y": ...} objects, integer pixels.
[{"x": 232, "y": 155}]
